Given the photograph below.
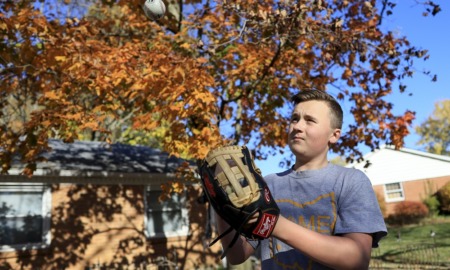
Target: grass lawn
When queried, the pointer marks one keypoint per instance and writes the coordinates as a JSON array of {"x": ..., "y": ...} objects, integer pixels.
[{"x": 413, "y": 247}]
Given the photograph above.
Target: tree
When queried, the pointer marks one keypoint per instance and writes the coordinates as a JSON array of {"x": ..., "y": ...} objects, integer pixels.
[
  {"x": 212, "y": 72},
  {"x": 435, "y": 130}
]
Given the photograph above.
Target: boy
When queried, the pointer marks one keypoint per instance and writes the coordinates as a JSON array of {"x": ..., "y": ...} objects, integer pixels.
[{"x": 330, "y": 218}]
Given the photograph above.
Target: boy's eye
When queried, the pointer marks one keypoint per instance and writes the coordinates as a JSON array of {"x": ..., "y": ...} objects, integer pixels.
[{"x": 310, "y": 120}]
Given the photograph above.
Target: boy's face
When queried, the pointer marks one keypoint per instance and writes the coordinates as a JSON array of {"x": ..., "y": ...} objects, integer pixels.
[{"x": 310, "y": 130}]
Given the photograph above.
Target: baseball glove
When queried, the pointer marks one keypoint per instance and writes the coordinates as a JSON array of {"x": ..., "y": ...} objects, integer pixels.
[{"x": 236, "y": 190}]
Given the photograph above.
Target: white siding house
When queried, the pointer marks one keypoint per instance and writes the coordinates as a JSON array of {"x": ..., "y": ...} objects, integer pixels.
[{"x": 404, "y": 174}]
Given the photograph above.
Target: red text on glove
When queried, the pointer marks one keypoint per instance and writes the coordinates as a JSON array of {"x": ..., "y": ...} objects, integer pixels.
[
  {"x": 267, "y": 195},
  {"x": 209, "y": 186}
]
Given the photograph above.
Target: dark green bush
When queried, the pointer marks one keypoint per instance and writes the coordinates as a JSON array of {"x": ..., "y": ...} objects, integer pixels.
[{"x": 443, "y": 196}]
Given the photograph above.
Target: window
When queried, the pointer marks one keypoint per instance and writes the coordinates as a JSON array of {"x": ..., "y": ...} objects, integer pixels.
[
  {"x": 167, "y": 218},
  {"x": 394, "y": 192},
  {"x": 24, "y": 216}
]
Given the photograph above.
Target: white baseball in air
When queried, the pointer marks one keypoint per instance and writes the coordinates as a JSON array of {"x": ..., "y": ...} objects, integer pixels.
[{"x": 154, "y": 9}]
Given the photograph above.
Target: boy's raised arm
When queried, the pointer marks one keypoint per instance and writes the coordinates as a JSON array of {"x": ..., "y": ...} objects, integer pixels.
[
  {"x": 349, "y": 251},
  {"x": 240, "y": 251}
]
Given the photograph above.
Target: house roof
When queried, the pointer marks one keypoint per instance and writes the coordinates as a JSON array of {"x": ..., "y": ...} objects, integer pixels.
[
  {"x": 387, "y": 165},
  {"x": 88, "y": 159},
  {"x": 101, "y": 156}
]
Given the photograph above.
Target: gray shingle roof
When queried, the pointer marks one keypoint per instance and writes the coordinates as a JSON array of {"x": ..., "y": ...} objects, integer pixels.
[{"x": 101, "y": 156}]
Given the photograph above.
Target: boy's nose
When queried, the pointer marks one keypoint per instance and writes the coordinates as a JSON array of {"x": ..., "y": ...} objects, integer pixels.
[{"x": 298, "y": 126}]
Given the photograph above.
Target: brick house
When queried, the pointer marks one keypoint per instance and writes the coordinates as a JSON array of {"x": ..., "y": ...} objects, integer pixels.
[
  {"x": 404, "y": 174},
  {"x": 95, "y": 206}
]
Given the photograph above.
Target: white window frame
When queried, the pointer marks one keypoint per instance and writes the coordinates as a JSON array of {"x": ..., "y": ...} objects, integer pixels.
[
  {"x": 46, "y": 214},
  {"x": 387, "y": 192},
  {"x": 184, "y": 229}
]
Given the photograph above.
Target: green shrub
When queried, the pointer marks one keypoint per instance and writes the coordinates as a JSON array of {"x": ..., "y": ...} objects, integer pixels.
[
  {"x": 443, "y": 195},
  {"x": 408, "y": 212},
  {"x": 433, "y": 205}
]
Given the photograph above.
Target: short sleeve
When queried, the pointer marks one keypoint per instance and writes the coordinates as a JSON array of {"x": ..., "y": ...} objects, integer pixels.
[{"x": 359, "y": 210}]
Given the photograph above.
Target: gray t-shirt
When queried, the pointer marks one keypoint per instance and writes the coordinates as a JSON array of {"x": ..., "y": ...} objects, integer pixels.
[{"x": 333, "y": 201}]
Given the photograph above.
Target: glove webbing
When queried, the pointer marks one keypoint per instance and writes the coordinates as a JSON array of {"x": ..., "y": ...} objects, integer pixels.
[
  {"x": 230, "y": 160},
  {"x": 236, "y": 235}
]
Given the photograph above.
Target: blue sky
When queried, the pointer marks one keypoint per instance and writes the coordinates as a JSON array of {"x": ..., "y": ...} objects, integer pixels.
[{"x": 431, "y": 33}]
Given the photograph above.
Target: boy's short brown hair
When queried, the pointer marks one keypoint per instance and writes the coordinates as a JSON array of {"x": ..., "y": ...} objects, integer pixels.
[{"x": 335, "y": 108}]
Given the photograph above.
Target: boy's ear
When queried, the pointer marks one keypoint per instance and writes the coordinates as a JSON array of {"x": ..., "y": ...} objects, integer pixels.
[{"x": 334, "y": 137}]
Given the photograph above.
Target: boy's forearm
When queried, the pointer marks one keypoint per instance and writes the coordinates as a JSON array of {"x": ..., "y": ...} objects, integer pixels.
[
  {"x": 240, "y": 251},
  {"x": 338, "y": 252}
]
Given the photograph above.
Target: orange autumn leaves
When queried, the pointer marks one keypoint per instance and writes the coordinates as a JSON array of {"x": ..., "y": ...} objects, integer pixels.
[{"x": 223, "y": 73}]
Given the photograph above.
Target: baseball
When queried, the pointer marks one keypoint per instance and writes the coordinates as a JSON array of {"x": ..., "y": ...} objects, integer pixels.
[{"x": 154, "y": 9}]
